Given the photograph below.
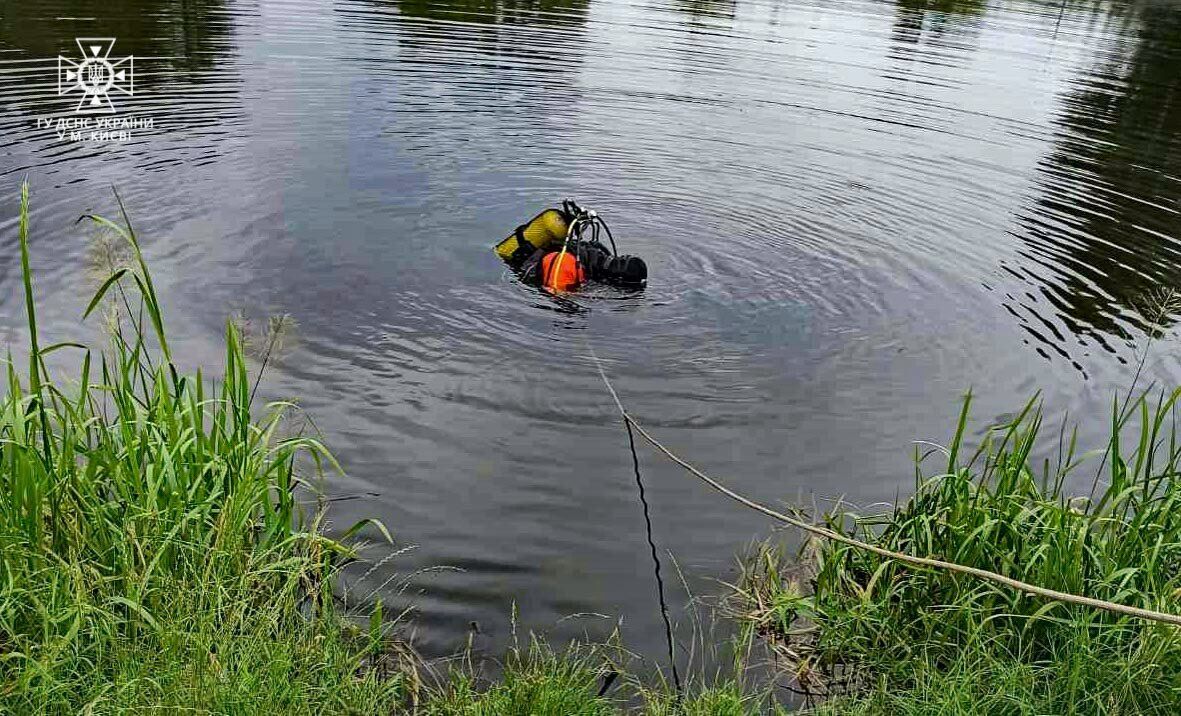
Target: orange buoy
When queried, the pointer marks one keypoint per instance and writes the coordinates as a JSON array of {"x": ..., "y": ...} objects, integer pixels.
[{"x": 561, "y": 271}]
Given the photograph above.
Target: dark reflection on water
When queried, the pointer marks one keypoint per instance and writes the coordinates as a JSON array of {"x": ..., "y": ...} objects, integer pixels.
[
  {"x": 706, "y": 13},
  {"x": 931, "y": 21},
  {"x": 178, "y": 43},
  {"x": 498, "y": 12},
  {"x": 852, "y": 211},
  {"x": 183, "y": 34},
  {"x": 1103, "y": 236},
  {"x": 180, "y": 47}
]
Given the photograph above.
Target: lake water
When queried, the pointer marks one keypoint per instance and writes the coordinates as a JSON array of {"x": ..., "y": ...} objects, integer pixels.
[{"x": 852, "y": 212}]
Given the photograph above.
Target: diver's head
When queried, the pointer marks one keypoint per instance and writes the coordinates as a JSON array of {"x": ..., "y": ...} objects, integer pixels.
[{"x": 625, "y": 272}]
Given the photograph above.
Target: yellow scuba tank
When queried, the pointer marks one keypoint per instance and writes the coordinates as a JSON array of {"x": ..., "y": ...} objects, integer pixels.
[{"x": 547, "y": 230}]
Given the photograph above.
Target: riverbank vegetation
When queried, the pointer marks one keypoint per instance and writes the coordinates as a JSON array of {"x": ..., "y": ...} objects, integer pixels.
[
  {"x": 862, "y": 634},
  {"x": 152, "y": 551},
  {"x": 155, "y": 555}
]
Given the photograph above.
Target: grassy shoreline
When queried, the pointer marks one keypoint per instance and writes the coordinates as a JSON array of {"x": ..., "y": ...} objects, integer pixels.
[
  {"x": 153, "y": 557},
  {"x": 153, "y": 553},
  {"x": 867, "y": 635}
]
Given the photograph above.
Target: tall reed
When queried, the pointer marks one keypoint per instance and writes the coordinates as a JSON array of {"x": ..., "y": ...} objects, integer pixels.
[
  {"x": 853, "y": 621},
  {"x": 152, "y": 550}
]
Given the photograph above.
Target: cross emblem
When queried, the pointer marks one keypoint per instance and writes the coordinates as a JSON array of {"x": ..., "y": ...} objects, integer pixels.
[{"x": 96, "y": 76}]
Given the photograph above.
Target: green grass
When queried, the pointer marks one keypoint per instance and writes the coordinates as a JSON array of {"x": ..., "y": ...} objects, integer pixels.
[
  {"x": 583, "y": 680},
  {"x": 152, "y": 552},
  {"x": 535, "y": 681},
  {"x": 983, "y": 681},
  {"x": 899, "y": 639},
  {"x": 725, "y": 698}
]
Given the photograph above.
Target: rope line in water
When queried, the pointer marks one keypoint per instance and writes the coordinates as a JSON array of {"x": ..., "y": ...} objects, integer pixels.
[
  {"x": 668, "y": 627},
  {"x": 826, "y": 533}
]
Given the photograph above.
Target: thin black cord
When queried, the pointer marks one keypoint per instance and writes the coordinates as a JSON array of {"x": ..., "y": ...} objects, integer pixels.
[
  {"x": 631, "y": 441},
  {"x": 668, "y": 627}
]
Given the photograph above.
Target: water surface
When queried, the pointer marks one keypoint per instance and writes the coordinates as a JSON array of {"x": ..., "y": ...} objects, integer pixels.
[{"x": 852, "y": 211}]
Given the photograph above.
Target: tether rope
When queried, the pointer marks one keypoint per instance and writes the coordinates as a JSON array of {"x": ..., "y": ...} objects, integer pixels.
[
  {"x": 984, "y": 574},
  {"x": 668, "y": 627}
]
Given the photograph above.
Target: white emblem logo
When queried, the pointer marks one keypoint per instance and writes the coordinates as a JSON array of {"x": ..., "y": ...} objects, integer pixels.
[{"x": 95, "y": 76}]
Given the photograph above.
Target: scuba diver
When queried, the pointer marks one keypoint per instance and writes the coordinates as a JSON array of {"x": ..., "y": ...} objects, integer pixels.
[{"x": 553, "y": 251}]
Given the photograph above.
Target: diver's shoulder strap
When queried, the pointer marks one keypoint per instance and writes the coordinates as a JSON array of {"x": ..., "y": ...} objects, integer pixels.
[
  {"x": 522, "y": 242},
  {"x": 530, "y": 270},
  {"x": 524, "y": 249}
]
